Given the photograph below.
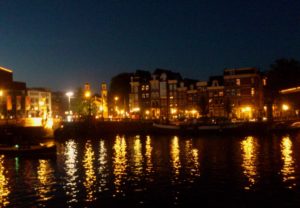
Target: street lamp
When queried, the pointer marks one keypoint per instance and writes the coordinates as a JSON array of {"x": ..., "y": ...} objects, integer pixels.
[
  {"x": 69, "y": 95},
  {"x": 116, "y": 98}
]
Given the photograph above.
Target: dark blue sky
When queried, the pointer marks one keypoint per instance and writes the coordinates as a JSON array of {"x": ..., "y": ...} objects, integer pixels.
[{"x": 63, "y": 44}]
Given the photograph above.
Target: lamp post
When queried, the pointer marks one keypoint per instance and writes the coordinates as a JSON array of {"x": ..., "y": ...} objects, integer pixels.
[
  {"x": 116, "y": 98},
  {"x": 69, "y": 95}
]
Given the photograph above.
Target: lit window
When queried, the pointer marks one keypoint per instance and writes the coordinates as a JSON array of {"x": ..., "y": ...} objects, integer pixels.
[
  {"x": 221, "y": 94},
  {"x": 252, "y": 91},
  {"x": 238, "y": 82},
  {"x": 265, "y": 82}
]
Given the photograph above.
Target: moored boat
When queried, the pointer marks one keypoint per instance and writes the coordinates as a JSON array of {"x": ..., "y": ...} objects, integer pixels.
[{"x": 42, "y": 149}]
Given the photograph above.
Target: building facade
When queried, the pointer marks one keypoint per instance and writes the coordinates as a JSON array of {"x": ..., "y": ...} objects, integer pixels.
[
  {"x": 244, "y": 89},
  {"x": 12, "y": 95},
  {"x": 40, "y": 102}
]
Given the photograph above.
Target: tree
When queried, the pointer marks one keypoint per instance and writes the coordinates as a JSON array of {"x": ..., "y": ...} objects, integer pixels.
[
  {"x": 284, "y": 73},
  {"x": 120, "y": 87}
]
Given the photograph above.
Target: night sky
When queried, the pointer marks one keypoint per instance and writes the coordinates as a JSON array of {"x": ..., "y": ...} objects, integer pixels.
[{"x": 63, "y": 44}]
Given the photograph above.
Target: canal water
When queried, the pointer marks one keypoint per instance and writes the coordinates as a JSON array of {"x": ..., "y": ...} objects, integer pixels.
[{"x": 164, "y": 171}]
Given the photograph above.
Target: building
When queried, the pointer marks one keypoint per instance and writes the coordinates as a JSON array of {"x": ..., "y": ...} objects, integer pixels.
[
  {"x": 12, "y": 95},
  {"x": 244, "y": 89},
  {"x": 40, "y": 102},
  {"x": 163, "y": 97},
  {"x": 216, "y": 101},
  {"x": 139, "y": 98}
]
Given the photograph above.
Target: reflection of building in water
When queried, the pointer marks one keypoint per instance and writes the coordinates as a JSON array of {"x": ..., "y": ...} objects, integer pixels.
[
  {"x": 71, "y": 171},
  {"x": 138, "y": 159},
  {"x": 175, "y": 157},
  {"x": 103, "y": 167},
  {"x": 249, "y": 156},
  {"x": 119, "y": 163},
  {"x": 90, "y": 180},
  {"x": 192, "y": 158},
  {"x": 46, "y": 179},
  {"x": 4, "y": 184},
  {"x": 148, "y": 155},
  {"x": 288, "y": 168}
]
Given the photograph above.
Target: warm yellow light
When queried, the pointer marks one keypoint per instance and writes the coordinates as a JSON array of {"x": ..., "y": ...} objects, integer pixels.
[
  {"x": 246, "y": 109},
  {"x": 285, "y": 107},
  {"x": 69, "y": 94},
  {"x": 193, "y": 111},
  {"x": 41, "y": 103},
  {"x": 49, "y": 123},
  {"x": 5, "y": 69},
  {"x": 116, "y": 98},
  {"x": 173, "y": 110},
  {"x": 87, "y": 94},
  {"x": 147, "y": 112},
  {"x": 136, "y": 109},
  {"x": 1, "y": 93}
]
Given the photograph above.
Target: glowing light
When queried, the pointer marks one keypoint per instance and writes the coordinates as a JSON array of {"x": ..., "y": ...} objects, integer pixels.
[
  {"x": 246, "y": 109},
  {"x": 147, "y": 112},
  {"x": 69, "y": 94},
  {"x": 71, "y": 171},
  {"x": 116, "y": 98},
  {"x": 46, "y": 179},
  {"x": 285, "y": 107},
  {"x": 173, "y": 110},
  {"x": 175, "y": 159},
  {"x": 148, "y": 154},
  {"x": 288, "y": 169},
  {"x": 49, "y": 123},
  {"x": 192, "y": 157},
  {"x": 103, "y": 170},
  {"x": 138, "y": 158},
  {"x": 5, "y": 69},
  {"x": 4, "y": 184},
  {"x": 88, "y": 164},
  {"x": 1, "y": 93},
  {"x": 193, "y": 111},
  {"x": 119, "y": 163},
  {"x": 87, "y": 94},
  {"x": 249, "y": 155},
  {"x": 41, "y": 103},
  {"x": 135, "y": 109}
]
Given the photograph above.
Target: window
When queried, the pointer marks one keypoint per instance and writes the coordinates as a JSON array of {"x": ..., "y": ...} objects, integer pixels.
[
  {"x": 221, "y": 93},
  {"x": 252, "y": 91},
  {"x": 264, "y": 81},
  {"x": 238, "y": 82}
]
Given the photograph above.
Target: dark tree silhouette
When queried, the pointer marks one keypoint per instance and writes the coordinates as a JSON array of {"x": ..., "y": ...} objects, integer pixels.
[
  {"x": 284, "y": 73},
  {"x": 120, "y": 86}
]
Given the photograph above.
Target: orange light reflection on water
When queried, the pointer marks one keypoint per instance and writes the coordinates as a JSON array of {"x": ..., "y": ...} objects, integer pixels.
[
  {"x": 103, "y": 167},
  {"x": 71, "y": 171},
  {"x": 90, "y": 180},
  {"x": 249, "y": 156},
  {"x": 4, "y": 184},
  {"x": 175, "y": 157},
  {"x": 288, "y": 168},
  {"x": 119, "y": 163},
  {"x": 46, "y": 179}
]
